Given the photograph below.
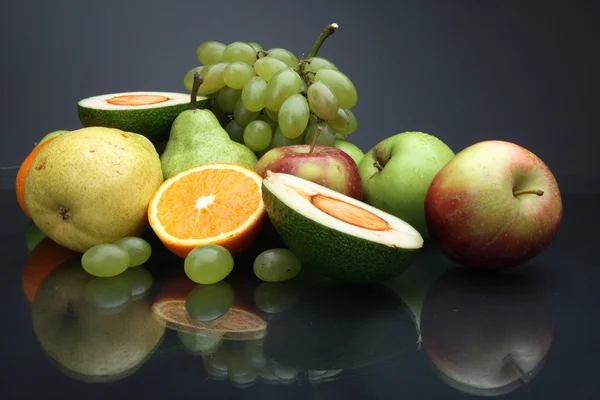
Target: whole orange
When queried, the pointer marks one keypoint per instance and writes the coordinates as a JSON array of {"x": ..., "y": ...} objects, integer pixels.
[{"x": 22, "y": 174}]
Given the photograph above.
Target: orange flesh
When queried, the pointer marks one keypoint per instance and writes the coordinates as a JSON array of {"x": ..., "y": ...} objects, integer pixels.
[
  {"x": 349, "y": 213},
  {"x": 137, "y": 100},
  {"x": 226, "y": 200}
]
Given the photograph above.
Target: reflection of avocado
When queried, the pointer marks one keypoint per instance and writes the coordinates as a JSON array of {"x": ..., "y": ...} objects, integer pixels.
[
  {"x": 86, "y": 343},
  {"x": 340, "y": 326}
]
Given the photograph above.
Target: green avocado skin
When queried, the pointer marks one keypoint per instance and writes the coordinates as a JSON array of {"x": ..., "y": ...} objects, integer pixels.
[
  {"x": 332, "y": 253},
  {"x": 154, "y": 123}
]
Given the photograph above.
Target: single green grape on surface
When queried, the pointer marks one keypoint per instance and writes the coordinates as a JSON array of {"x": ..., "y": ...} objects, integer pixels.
[
  {"x": 139, "y": 249},
  {"x": 208, "y": 264},
  {"x": 105, "y": 260},
  {"x": 276, "y": 265}
]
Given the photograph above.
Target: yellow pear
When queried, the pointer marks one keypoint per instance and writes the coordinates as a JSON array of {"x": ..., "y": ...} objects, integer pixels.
[{"x": 92, "y": 186}]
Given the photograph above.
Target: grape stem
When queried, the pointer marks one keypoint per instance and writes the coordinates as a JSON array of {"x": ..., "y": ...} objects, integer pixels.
[
  {"x": 195, "y": 87},
  {"x": 327, "y": 31}
]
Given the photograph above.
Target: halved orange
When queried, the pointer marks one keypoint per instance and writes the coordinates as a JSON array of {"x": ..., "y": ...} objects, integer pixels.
[{"x": 218, "y": 203}]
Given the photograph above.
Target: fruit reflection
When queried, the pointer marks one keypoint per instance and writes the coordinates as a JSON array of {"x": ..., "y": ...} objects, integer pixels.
[
  {"x": 94, "y": 329},
  {"x": 486, "y": 334},
  {"x": 45, "y": 257}
]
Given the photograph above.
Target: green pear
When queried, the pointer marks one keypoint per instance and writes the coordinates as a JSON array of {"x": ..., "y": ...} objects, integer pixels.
[
  {"x": 49, "y": 136},
  {"x": 197, "y": 138},
  {"x": 349, "y": 148},
  {"x": 92, "y": 186},
  {"x": 397, "y": 172},
  {"x": 84, "y": 341}
]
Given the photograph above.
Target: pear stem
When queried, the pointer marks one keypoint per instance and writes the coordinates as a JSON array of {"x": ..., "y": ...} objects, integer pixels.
[
  {"x": 528, "y": 191},
  {"x": 195, "y": 87},
  {"x": 327, "y": 31},
  {"x": 314, "y": 141}
]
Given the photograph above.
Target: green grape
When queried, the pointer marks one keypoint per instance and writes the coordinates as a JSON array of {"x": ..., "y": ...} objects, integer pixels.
[
  {"x": 209, "y": 302},
  {"x": 237, "y": 74},
  {"x": 272, "y": 114},
  {"x": 239, "y": 51},
  {"x": 268, "y": 120},
  {"x": 235, "y": 131},
  {"x": 284, "y": 84},
  {"x": 210, "y": 52},
  {"x": 276, "y": 265},
  {"x": 139, "y": 250},
  {"x": 283, "y": 55},
  {"x": 141, "y": 281},
  {"x": 293, "y": 116},
  {"x": 267, "y": 67},
  {"x": 105, "y": 260},
  {"x": 339, "y": 136},
  {"x": 208, "y": 264},
  {"x": 341, "y": 85},
  {"x": 257, "y": 135},
  {"x": 188, "y": 78},
  {"x": 226, "y": 98},
  {"x": 322, "y": 101},
  {"x": 256, "y": 46},
  {"x": 326, "y": 135},
  {"x": 109, "y": 294},
  {"x": 253, "y": 94},
  {"x": 242, "y": 115},
  {"x": 345, "y": 122},
  {"x": 276, "y": 297},
  {"x": 280, "y": 140},
  {"x": 213, "y": 76},
  {"x": 316, "y": 63}
]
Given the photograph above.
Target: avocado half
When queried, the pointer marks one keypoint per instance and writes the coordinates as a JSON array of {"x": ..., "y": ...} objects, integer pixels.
[
  {"x": 335, "y": 235},
  {"x": 148, "y": 113}
]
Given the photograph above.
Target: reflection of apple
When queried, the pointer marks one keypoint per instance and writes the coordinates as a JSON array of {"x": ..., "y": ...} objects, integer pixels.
[
  {"x": 86, "y": 343},
  {"x": 494, "y": 205},
  {"x": 324, "y": 165},
  {"x": 485, "y": 334}
]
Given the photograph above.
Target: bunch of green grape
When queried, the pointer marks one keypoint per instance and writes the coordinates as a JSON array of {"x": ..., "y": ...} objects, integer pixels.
[{"x": 271, "y": 98}]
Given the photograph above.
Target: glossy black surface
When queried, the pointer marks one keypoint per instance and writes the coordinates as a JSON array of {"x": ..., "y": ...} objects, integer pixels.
[{"x": 528, "y": 334}]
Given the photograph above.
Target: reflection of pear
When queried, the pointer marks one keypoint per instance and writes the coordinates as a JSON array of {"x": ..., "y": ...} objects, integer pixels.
[
  {"x": 339, "y": 326},
  {"x": 87, "y": 344},
  {"x": 486, "y": 333},
  {"x": 198, "y": 344},
  {"x": 412, "y": 285}
]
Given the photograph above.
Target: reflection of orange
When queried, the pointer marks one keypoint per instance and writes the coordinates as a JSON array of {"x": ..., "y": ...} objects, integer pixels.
[
  {"x": 22, "y": 174},
  {"x": 238, "y": 323},
  {"x": 209, "y": 204},
  {"x": 44, "y": 258}
]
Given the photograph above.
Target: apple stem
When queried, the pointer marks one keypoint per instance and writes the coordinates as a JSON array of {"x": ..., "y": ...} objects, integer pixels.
[
  {"x": 529, "y": 191},
  {"x": 377, "y": 165},
  {"x": 327, "y": 31},
  {"x": 314, "y": 141},
  {"x": 523, "y": 376},
  {"x": 195, "y": 87}
]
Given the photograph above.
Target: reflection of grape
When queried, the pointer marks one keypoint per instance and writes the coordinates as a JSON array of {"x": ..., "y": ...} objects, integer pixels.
[
  {"x": 108, "y": 294},
  {"x": 247, "y": 83},
  {"x": 208, "y": 264},
  {"x": 140, "y": 280},
  {"x": 105, "y": 260},
  {"x": 209, "y": 302},
  {"x": 139, "y": 250},
  {"x": 275, "y": 297},
  {"x": 276, "y": 265}
]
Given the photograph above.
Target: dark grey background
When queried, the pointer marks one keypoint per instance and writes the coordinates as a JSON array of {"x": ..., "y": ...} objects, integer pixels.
[{"x": 462, "y": 70}]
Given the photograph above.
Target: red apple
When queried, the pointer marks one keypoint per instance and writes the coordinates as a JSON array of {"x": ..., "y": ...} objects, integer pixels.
[
  {"x": 324, "y": 165},
  {"x": 494, "y": 205},
  {"x": 486, "y": 333}
]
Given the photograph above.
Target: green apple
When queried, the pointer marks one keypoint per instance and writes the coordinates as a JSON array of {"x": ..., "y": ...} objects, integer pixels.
[
  {"x": 50, "y": 135},
  {"x": 350, "y": 148},
  {"x": 396, "y": 174}
]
